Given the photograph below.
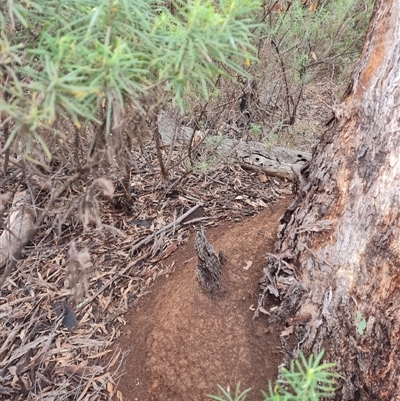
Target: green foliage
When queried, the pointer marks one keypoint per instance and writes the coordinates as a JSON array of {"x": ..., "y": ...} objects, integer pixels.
[
  {"x": 73, "y": 58},
  {"x": 330, "y": 35},
  {"x": 226, "y": 394},
  {"x": 82, "y": 60},
  {"x": 255, "y": 129},
  {"x": 201, "y": 38},
  {"x": 215, "y": 152},
  {"x": 361, "y": 323},
  {"x": 304, "y": 46},
  {"x": 306, "y": 380}
]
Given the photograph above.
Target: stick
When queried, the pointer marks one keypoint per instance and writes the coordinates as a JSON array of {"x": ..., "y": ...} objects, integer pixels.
[{"x": 177, "y": 222}]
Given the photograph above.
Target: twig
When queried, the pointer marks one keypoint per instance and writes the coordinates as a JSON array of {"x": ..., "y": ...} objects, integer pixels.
[
  {"x": 175, "y": 223},
  {"x": 186, "y": 223},
  {"x": 283, "y": 70}
]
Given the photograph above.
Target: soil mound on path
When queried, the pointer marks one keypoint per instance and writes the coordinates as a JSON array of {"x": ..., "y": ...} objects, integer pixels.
[{"x": 183, "y": 344}]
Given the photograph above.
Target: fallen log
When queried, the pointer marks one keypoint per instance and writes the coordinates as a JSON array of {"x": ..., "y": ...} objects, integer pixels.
[{"x": 274, "y": 161}]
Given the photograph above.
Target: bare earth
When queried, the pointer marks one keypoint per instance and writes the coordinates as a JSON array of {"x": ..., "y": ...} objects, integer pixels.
[{"x": 183, "y": 344}]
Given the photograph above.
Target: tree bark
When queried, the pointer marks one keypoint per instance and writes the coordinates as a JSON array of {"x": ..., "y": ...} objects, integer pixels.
[
  {"x": 338, "y": 250},
  {"x": 208, "y": 269}
]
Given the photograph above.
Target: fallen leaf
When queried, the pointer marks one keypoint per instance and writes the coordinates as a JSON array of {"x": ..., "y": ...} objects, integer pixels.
[
  {"x": 79, "y": 371},
  {"x": 100, "y": 354},
  {"x": 262, "y": 178},
  {"x": 262, "y": 310},
  {"x": 110, "y": 387},
  {"x": 287, "y": 331},
  {"x": 106, "y": 186},
  {"x": 172, "y": 248}
]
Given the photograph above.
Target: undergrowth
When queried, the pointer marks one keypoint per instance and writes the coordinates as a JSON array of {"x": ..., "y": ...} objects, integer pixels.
[
  {"x": 298, "y": 49},
  {"x": 81, "y": 80},
  {"x": 305, "y": 380}
]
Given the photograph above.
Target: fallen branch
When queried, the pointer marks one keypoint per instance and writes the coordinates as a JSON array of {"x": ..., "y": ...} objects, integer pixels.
[{"x": 276, "y": 161}]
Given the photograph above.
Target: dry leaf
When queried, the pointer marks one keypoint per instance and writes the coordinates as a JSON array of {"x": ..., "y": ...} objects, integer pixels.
[
  {"x": 110, "y": 387},
  {"x": 79, "y": 371},
  {"x": 312, "y": 6},
  {"x": 287, "y": 331},
  {"x": 262, "y": 178},
  {"x": 172, "y": 248},
  {"x": 100, "y": 354},
  {"x": 262, "y": 310},
  {"x": 114, "y": 360},
  {"x": 106, "y": 186}
]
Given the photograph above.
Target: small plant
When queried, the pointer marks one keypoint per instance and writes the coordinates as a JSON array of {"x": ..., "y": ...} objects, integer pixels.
[
  {"x": 270, "y": 141},
  {"x": 226, "y": 394},
  {"x": 256, "y": 130},
  {"x": 306, "y": 380}
]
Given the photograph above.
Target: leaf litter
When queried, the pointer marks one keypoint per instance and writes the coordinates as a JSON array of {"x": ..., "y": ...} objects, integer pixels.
[{"x": 54, "y": 347}]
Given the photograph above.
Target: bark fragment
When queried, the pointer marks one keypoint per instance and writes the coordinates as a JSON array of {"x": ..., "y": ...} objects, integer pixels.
[{"x": 208, "y": 269}]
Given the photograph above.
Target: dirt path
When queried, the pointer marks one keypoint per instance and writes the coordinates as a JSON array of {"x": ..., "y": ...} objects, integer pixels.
[{"x": 183, "y": 344}]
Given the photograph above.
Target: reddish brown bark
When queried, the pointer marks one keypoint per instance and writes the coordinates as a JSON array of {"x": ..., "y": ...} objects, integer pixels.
[{"x": 338, "y": 255}]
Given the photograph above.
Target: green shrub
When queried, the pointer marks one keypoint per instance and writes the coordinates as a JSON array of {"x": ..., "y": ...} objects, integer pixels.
[
  {"x": 226, "y": 395},
  {"x": 302, "y": 47},
  {"x": 82, "y": 60}
]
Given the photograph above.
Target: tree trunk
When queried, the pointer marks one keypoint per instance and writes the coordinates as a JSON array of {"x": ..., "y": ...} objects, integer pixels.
[{"x": 337, "y": 267}]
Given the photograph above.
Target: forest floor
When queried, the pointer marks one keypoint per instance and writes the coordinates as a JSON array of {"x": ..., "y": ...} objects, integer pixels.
[
  {"x": 183, "y": 343},
  {"x": 144, "y": 330}
]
